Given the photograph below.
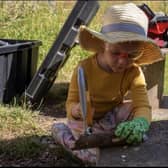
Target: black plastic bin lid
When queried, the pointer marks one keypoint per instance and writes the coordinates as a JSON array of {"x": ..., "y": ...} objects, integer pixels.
[
  {"x": 3, "y": 43},
  {"x": 10, "y": 46}
]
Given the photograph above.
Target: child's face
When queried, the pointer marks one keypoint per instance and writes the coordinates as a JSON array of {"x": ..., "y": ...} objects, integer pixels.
[{"x": 120, "y": 56}]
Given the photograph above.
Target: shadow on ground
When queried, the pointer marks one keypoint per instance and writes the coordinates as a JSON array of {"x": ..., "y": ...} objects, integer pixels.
[
  {"x": 54, "y": 104},
  {"x": 40, "y": 151},
  {"x": 153, "y": 152}
]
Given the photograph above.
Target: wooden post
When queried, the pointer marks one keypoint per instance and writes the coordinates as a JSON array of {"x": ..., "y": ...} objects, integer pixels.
[
  {"x": 154, "y": 75},
  {"x": 163, "y": 103}
]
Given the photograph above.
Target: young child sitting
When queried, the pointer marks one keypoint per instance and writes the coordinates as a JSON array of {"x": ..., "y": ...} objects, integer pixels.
[{"x": 114, "y": 69}]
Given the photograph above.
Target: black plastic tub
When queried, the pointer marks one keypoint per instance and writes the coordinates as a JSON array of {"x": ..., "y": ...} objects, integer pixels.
[{"x": 18, "y": 64}]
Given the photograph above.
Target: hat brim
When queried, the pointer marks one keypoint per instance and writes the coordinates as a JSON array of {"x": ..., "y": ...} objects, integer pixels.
[{"x": 93, "y": 41}]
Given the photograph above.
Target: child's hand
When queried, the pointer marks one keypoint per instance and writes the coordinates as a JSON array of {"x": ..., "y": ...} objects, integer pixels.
[
  {"x": 76, "y": 111},
  {"x": 77, "y": 114},
  {"x": 132, "y": 131}
]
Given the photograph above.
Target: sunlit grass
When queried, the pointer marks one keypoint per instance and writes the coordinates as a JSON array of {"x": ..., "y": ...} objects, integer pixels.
[{"x": 16, "y": 120}]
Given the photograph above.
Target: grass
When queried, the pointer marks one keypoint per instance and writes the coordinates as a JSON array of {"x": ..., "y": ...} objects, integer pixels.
[
  {"x": 17, "y": 126},
  {"x": 37, "y": 20},
  {"x": 17, "y": 120}
]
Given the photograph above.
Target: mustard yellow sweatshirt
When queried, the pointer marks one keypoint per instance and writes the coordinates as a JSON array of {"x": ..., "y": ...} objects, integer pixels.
[{"x": 107, "y": 90}]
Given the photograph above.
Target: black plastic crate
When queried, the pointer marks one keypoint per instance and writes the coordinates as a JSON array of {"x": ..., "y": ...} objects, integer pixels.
[{"x": 18, "y": 64}]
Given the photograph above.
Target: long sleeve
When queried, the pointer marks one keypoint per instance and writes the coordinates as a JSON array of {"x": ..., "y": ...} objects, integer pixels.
[
  {"x": 139, "y": 96},
  {"x": 104, "y": 89}
]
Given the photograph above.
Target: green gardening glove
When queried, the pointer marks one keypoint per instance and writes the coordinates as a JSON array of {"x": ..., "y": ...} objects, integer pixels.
[{"x": 132, "y": 131}]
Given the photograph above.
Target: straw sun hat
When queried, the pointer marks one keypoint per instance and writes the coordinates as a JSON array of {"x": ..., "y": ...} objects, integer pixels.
[{"x": 122, "y": 23}]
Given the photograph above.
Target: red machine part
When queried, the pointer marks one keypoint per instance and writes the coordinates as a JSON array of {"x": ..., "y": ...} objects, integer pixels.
[{"x": 158, "y": 26}]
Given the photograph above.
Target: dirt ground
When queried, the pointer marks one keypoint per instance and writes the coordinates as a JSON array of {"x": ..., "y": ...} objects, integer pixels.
[{"x": 153, "y": 152}]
